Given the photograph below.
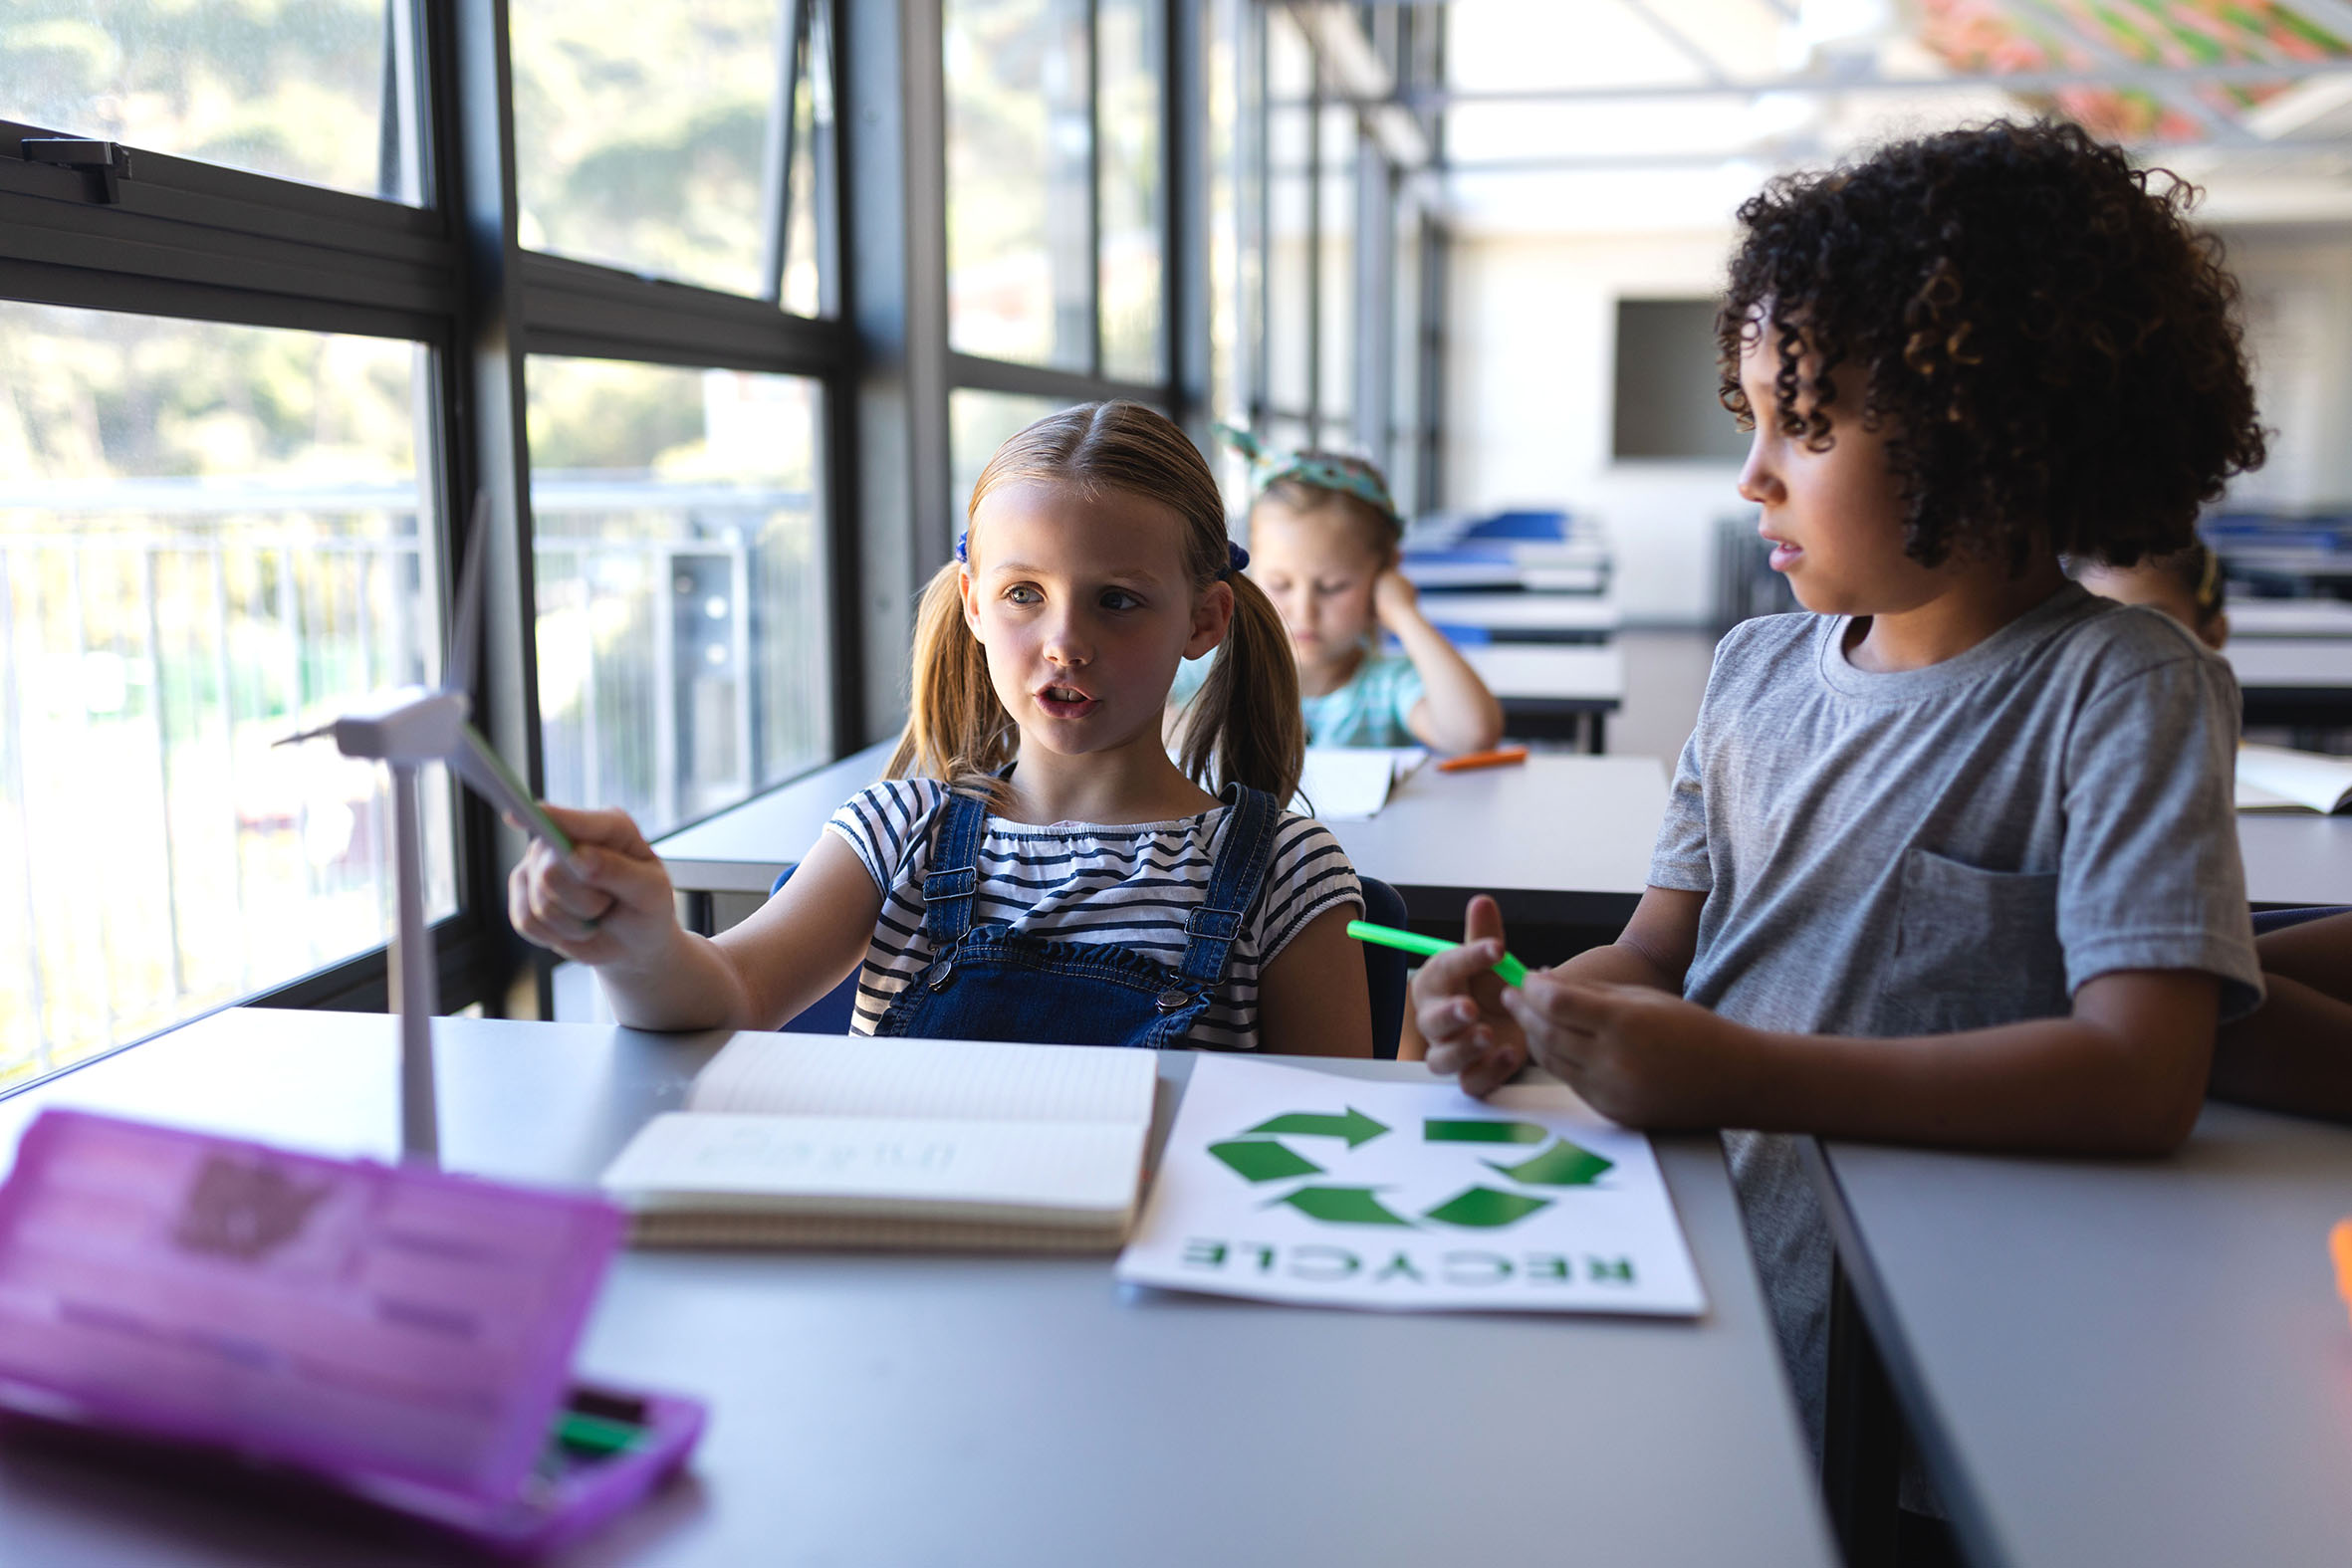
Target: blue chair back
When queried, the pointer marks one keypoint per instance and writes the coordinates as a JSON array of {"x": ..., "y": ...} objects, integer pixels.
[
  {"x": 1384, "y": 968},
  {"x": 829, "y": 1013},
  {"x": 2268, "y": 919}
]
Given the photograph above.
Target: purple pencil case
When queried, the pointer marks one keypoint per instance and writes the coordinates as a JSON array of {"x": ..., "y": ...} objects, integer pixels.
[{"x": 399, "y": 1334}]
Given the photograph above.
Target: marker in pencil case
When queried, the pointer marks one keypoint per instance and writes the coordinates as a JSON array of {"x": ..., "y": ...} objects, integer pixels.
[{"x": 1511, "y": 971}]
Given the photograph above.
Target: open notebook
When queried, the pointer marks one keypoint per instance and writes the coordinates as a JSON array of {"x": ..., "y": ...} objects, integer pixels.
[
  {"x": 832, "y": 1140},
  {"x": 2273, "y": 779}
]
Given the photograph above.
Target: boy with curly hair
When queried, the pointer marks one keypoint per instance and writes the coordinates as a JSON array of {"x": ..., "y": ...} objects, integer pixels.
[{"x": 1949, "y": 859}]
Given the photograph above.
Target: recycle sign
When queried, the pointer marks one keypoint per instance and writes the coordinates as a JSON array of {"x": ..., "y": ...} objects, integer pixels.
[{"x": 1259, "y": 1155}]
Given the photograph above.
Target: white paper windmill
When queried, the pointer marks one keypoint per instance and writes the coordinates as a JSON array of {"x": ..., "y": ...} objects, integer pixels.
[{"x": 406, "y": 729}]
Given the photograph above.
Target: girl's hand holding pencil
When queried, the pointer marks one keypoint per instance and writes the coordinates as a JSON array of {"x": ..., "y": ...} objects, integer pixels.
[{"x": 607, "y": 902}]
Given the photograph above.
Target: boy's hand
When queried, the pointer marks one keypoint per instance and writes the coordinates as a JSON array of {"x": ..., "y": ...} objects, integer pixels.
[
  {"x": 609, "y": 902},
  {"x": 1395, "y": 601},
  {"x": 1637, "y": 1055},
  {"x": 1456, "y": 1005}
]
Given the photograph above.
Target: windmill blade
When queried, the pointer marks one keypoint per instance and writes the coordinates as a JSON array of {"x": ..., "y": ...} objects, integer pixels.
[
  {"x": 465, "y": 634},
  {"x": 479, "y": 765}
]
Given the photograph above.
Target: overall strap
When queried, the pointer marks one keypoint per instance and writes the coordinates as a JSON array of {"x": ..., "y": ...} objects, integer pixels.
[
  {"x": 953, "y": 872},
  {"x": 1233, "y": 880}
]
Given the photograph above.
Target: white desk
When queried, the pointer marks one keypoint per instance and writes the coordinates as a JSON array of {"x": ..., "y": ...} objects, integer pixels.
[
  {"x": 2117, "y": 1362},
  {"x": 2294, "y": 681},
  {"x": 993, "y": 1410},
  {"x": 1552, "y": 691},
  {"x": 1527, "y": 617},
  {"x": 1558, "y": 841},
  {"x": 2293, "y": 860},
  {"x": 2261, "y": 619}
]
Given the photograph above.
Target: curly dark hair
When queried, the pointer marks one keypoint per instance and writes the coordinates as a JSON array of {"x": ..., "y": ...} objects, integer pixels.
[{"x": 2051, "y": 348}]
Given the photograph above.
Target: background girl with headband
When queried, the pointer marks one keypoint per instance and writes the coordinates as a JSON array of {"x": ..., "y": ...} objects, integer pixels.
[
  {"x": 1035, "y": 867},
  {"x": 1324, "y": 536}
]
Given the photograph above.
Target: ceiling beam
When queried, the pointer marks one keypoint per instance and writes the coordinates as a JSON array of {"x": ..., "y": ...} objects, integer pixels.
[{"x": 2153, "y": 78}]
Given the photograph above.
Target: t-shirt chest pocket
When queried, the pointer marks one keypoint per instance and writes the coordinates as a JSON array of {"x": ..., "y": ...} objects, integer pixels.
[{"x": 1976, "y": 948}]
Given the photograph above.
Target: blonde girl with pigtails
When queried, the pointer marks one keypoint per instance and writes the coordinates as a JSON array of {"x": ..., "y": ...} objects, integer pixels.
[{"x": 1034, "y": 866}]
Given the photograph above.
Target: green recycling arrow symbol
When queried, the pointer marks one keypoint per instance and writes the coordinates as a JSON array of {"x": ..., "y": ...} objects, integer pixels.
[
  {"x": 1564, "y": 1164},
  {"x": 1356, "y": 1126},
  {"x": 1257, "y": 1155},
  {"x": 1435, "y": 1130},
  {"x": 1341, "y": 1205}
]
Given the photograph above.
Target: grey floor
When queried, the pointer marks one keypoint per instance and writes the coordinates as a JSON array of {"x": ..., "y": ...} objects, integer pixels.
[{"x": 1665, "y": 676}]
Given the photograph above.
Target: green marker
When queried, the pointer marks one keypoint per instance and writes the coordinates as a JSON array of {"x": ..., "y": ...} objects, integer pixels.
[{"x": 1513, "y": 972}]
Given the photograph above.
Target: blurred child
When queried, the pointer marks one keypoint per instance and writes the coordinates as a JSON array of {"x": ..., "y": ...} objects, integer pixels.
[
  {"x": 2186, "y": 585},
  {"x": 1917, "y": 880},
  {"x": 1324, "y": 539},
  {"x": 1035, "y": 867},
  {"x": 2294, "y": 1052}
]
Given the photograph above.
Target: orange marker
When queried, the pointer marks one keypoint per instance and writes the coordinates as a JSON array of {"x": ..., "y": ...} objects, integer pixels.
[
  {"x": 2339, "y": 1247},
  {"x": 1469, "y": 760}
]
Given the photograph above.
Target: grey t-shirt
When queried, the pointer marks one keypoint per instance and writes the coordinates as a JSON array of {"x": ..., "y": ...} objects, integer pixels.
[{"x": 1946, "y": 848}]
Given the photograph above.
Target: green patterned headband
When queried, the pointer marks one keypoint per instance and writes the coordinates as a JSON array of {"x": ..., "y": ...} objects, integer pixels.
[{"x": 1267, "y": 469}]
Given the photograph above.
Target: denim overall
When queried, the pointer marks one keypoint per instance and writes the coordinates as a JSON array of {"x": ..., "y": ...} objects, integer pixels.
[{"x": 986, "y": 984}]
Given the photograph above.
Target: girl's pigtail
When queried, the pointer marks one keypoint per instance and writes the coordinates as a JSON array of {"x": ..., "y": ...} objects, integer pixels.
[
  {"x": 1245, "y": 721},
  {"x": 956, "y": 730}
]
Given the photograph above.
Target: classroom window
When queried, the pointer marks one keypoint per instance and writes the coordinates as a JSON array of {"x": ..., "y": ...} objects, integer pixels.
[
  {"x": 1019, "y": 156},
  {"x": 1289, "y": 215},
  {"x": 317, "y": 90},
  {"x": 650, "y": 137},
  {"x": 1130, "y": 46},
  {"x": 681, "y": 587},
  {"x": 1335, "y": 261},
  {"x": 977, "y": 424},
  {"x": 210, "y": 536}
]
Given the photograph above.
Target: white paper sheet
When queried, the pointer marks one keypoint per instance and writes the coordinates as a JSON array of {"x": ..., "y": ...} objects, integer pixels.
[
  {"x": 1287, "y": 1185},
  {"x": 2273, "y": 779},
  {"x": 1346, "y": 782}
]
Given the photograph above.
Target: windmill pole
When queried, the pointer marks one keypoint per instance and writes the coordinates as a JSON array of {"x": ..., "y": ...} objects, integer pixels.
[{"x": 412, "y": 976}]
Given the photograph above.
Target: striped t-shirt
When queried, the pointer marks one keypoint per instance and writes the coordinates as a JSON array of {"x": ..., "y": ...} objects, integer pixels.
[{"x": 1133, "y": 884}]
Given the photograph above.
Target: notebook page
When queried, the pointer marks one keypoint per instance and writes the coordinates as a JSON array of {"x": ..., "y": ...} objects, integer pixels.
[
  {"x": 1074, "y": 1172},
  {"x": 976, "y": 1080},
  {"x": 2307, "y": 779}
]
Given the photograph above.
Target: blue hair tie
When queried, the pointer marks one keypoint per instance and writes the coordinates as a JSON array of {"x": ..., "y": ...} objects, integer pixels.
[{"x": 963, "y": 546}]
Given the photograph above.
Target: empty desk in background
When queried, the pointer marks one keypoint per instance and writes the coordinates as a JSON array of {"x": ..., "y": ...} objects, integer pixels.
[
  {"x": 1551, "y": 692},
  {"x": 745, "y": 848},
  {"x": 1561, "y": 842},
  {"x": 1525, "y": 617},
  {"x": 2294, "y": 859},
  {"x": 2294, "y": 681},
  {"x": 933, "y": 1407},
  {"x": 2263, "y": 620},
  {"x": 2128, "y": 1360}
]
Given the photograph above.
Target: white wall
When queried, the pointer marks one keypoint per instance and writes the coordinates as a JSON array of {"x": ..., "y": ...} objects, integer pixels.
[
  {"x": 1530, "y": 379},
  {"x": 2298, "y": 312},
  {"x": 1530, "y": 375}
]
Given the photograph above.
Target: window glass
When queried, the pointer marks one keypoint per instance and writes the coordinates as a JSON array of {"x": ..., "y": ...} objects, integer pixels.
[
  {"x": 1404, "y": 409},
  {"x": 681, "y": 610},
  {"x": 977, "y": 424},
  {"x": 1130, "y": 43},
  {"x": 1231, "y": 271},
  {"x": 1290, "y": 216},
  {"x": 317, "y": 91},
  {"x": 1336, "y": 258},
  {"x": 640, "y": 131},
  {"x": 210, "y": 536},
  {"x": 1019, "y": 140},
  {"x": 811, "y": 144}
]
